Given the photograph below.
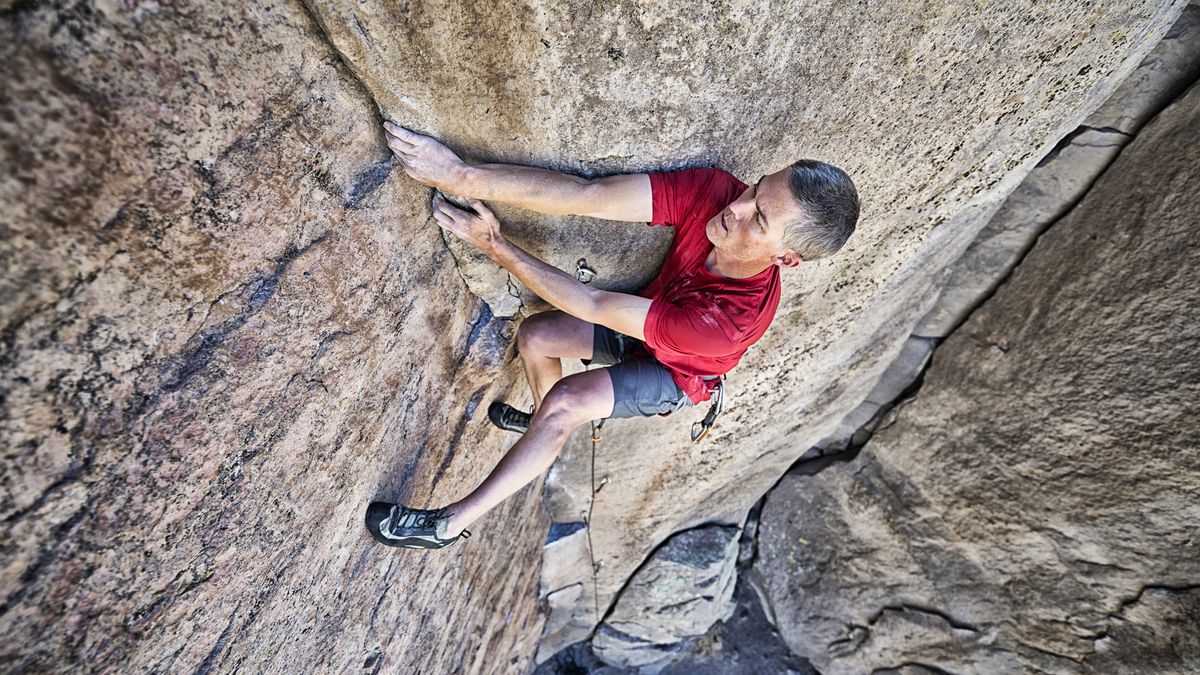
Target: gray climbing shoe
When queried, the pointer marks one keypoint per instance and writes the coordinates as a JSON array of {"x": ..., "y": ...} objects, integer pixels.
[
  {"x": 509, "y": 418},
  {"x": 402, "y": 527}
]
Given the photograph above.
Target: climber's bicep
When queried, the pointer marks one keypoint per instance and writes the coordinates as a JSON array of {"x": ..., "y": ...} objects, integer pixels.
[
  {"x": 623, "y": 197},
  {"x": 621, "y": 312}
]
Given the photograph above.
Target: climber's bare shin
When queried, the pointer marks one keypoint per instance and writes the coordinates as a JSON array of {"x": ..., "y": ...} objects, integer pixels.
[{"x": 572, "y": 401}]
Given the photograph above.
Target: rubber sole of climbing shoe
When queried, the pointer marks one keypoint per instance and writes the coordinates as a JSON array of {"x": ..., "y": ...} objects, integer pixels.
[{"x": 379, "y": 522}]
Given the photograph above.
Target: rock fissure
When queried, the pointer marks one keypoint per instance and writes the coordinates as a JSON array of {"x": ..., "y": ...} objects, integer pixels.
[
  {"x": 899, "y": 668},
  {"x": 1137, "y": 597},
  {"x": 909, "y": 607}
]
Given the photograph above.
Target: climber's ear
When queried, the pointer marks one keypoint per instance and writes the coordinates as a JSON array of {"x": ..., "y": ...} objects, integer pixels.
[{"x": 788, "y": 258}]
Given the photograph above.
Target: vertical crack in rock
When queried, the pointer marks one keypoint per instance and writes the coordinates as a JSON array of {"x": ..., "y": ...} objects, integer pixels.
[
  {"x": 515, "y": 291},
  {"x": 346, "y": 67}
]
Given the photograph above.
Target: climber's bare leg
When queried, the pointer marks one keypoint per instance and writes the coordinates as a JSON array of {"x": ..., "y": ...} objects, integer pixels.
[
  {"x": 544, "y": 340},
  {"x": 572, "y": 401}
]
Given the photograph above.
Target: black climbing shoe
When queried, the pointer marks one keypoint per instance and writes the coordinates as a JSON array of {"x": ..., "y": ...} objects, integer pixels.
[
  {"x": 508, "y": 418},
  {"x": 400, "y": 526}
]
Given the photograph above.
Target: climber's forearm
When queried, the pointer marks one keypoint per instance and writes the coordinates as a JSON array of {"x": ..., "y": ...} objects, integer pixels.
[
  {"x": 423, "y": 158},
  {"x": 548, "y": 282},
  {"x": 621, "y": 197},
  {"x": 621, "y": 312},
  {"x": 540, "y": 190}
]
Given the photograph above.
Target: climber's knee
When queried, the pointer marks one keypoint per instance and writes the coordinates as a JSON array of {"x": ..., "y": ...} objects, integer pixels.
[
  {"x": 577, "y": 399},
  {"x": 532, "y": 334},
  {"x": 555, "y": 334}
]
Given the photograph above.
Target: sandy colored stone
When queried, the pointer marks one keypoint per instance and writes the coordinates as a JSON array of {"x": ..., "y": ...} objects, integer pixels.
[
  {"x": 1033, "y": 508},
  {"x": 1065, "y": 174},
  {"x": 228, "y": 322},
  {"x": 684, "y": 588},
  {"x": 1050, "y": 190},
  {"x": 226, "y": 327},
  {"x": 843, "y": 320},
  {"x": 1166, "y": 71}
]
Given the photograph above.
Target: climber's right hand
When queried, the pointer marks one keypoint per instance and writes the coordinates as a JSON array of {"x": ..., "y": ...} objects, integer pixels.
[{"x": 424, "y": 159}]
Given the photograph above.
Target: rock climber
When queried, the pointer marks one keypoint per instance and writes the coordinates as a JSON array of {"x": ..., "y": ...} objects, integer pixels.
[{"x": 666, "y": 347}]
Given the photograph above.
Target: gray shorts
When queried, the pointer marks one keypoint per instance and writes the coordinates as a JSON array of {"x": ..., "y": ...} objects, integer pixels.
[{"x": 641, "y": 386}]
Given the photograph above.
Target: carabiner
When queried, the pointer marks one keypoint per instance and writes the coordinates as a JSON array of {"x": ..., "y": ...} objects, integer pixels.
[{"x": 702, "y": 428}]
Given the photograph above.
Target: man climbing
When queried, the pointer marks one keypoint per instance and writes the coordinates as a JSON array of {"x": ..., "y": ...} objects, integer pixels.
[{"x": 665, "y": 348}]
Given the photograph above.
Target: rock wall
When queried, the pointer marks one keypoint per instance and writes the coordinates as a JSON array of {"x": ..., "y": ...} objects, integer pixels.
[
  {"x": 225, "y": 330},
  {"x": 1033, "y": 507},
  {"x": 227, "y": 324},
  {"x": 683, "y": 588}
]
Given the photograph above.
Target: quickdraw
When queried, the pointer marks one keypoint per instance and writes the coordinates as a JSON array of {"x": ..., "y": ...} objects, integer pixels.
[{"x": 701, "y": 429}]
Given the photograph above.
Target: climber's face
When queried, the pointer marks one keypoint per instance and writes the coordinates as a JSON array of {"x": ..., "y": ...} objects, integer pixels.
[{"x": 751, "y": 228}]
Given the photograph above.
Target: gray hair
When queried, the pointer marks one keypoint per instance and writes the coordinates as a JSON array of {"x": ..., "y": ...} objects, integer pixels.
[{"x": 830, "y": 203}]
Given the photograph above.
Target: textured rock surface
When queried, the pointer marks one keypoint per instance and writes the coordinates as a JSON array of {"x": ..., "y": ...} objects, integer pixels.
[
  {"x": 1049, "y": 191},
  {"x": 684, "y": 588},
  {"x": 843, "y": 320},
  {"x": 1064, "y": 176},
  {"x": 1160, "y": 78},
  {"x": 225, "y": 329},
  {"x": 227, "y": 324},
  {"x": 856, "y": 427},
  {"x": 1033, "y": 507},
  {"x": 744, "y": 644},
  {"x": 567, "y": 551}
]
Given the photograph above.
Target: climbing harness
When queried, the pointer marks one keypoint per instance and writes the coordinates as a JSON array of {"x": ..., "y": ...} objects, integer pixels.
[{"x": 701, "y": 429}]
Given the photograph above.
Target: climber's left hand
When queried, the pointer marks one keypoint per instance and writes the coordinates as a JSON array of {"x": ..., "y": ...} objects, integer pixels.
[{"x": 480, "y": 228}]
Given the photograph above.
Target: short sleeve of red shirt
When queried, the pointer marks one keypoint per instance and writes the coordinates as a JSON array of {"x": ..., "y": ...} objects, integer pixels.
[{"x": 691, "y": 196}]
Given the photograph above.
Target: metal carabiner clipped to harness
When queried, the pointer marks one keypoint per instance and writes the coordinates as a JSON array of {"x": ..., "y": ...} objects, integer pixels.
[{"x": 701, "y": 429}]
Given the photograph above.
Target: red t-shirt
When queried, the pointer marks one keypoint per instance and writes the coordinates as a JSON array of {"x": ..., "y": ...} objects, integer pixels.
[{"x": 701, "y": 323}]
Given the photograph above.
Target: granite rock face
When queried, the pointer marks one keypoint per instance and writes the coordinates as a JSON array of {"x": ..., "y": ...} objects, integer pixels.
[
  {"x": 227, "y": 323},
  {"x": 225, "y": 328},
  {"x": 1159, "y": 78},
  {"x": 1062, "y": 177},
  {"x": 1033, "y": 507},
  {"x": 681, "y": 591}
]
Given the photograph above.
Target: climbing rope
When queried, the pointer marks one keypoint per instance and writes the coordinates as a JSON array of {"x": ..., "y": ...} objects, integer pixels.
[
  {"x": 585, "y": 274},
  {"x": 587, "y": 519}
]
